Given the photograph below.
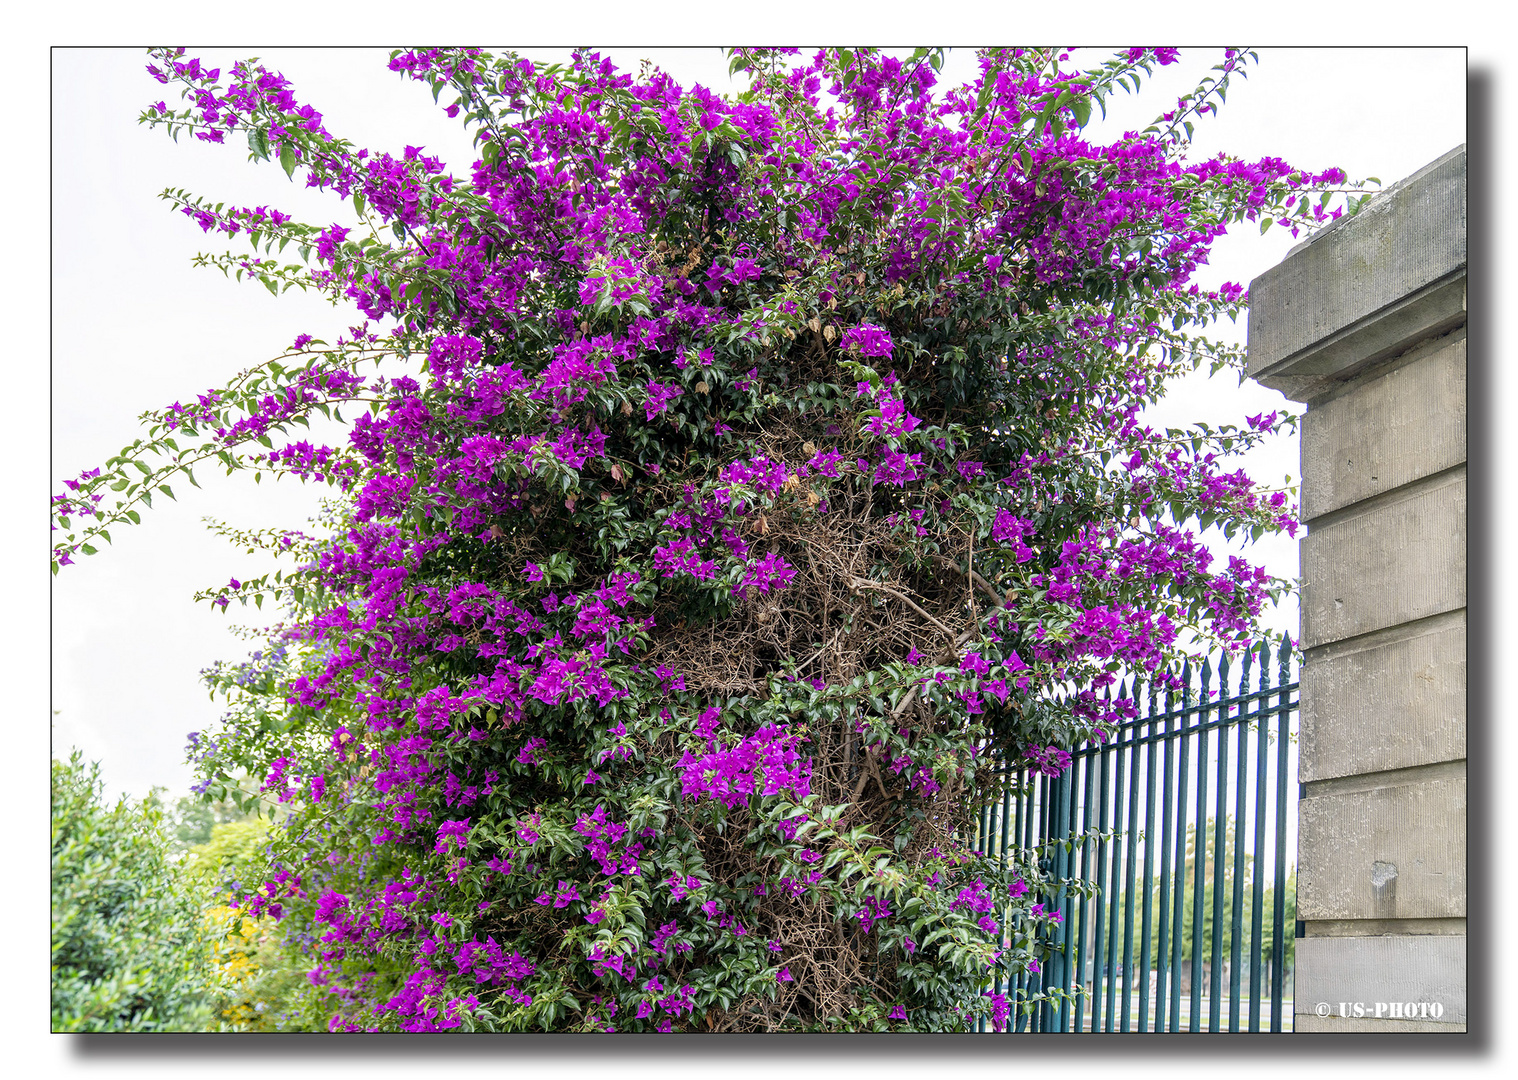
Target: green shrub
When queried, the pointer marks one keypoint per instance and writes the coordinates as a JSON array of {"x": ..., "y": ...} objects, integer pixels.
[
  {"x": 128, "y": 949},
  {"x": 261, "y": 982}
]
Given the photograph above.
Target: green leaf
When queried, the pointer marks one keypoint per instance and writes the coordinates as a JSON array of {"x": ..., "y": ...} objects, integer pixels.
[
  {"x": 287, "y": 160},
  {"x": 1081, "y": 107}
]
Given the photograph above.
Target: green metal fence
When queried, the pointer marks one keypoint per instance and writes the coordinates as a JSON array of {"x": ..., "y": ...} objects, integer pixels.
[{"x": 1177, "y": 830}]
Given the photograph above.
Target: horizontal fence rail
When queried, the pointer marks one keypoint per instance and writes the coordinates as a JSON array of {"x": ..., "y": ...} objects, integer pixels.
[{"x": 1176, "y": 830}]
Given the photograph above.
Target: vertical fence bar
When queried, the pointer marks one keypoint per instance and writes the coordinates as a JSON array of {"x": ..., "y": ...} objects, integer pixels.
[
  {"x": 1021, "y": 806},
  {"x": 982, "y": 831},
  {"x": 1102, "y": 959},
  {"x": 999, "y": 848},
  {"x": 1278, "y": 920},
  {"x": 1219, "y": 851},
  {"x": 1006, "y": 812},
  {"x": 1119, "y": 852},
  {"x": 1177, "y": 917},
  {"x": 1148, "y": 842},
  {"x": 1050, "y": 973},
  {"x": 1069, "y": 921},
  {"x": 1032, "y": 827},
  {"x": 1023, "y": 828},
  {"x": 1262, "y": 764},
  {"x": 1241, "y": 787},
  {"x": 1005, "y": 852},
  {"x": 1038, "y": 816},
  {"x": 1087, "y": 764},
  {"x": 1167, "y": 810},
  {"x": 1056, "y": 968},
  {"x": 1199, "y": 854}
]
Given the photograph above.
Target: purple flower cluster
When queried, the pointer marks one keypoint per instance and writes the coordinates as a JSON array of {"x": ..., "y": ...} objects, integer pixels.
[{"x": 766, "y": 763}]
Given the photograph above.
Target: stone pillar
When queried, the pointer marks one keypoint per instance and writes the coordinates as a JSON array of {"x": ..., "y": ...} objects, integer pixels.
[{"x": 1365, "y": 323}]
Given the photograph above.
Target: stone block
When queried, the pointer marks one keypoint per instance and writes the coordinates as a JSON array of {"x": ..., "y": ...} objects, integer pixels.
[
  {"x": 1385, "y": 853},
  {"x": 1305, "y": 311},
  {"x": 1388, "y": 701},
  {"x": 1390, "y": 431},
  {"x": 1399, "y": 559},
  {"x": 1368, "y": 970}
]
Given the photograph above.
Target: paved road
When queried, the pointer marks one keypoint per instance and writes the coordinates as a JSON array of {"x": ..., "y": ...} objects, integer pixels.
[{"x": 1204, "y": 1006}]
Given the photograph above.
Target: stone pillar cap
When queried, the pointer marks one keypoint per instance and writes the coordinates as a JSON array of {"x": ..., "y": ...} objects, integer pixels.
[{"x": 1366, "y": 288}]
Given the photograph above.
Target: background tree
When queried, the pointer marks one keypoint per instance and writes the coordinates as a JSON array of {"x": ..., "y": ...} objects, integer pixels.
[
  {"x": 128, "y": 949},
  {"x": 1214, "y": 908},
  {"x": 192, "y": 820}
]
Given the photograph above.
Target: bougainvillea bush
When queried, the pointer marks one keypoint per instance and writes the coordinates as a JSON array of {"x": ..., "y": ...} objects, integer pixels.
[{"x": 740, "y": 484}]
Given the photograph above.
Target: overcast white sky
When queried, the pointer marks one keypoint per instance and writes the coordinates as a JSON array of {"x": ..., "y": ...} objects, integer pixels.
[{"x": 128, "y": 641}]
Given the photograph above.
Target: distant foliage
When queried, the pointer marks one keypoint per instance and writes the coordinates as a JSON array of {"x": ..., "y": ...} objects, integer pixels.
[
  {"x": 128, "y": 949},
  {"x": 261, "y": 976}
]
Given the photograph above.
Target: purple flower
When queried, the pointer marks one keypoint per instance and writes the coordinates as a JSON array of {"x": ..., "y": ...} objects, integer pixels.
[
  {"x": 658, "y": 398},
  {"x": 1000, "y": 1009},
  {"x": 452, "y": 836},
  {"x": 327, "y": 242},
  {"x": 894, "y": 420},
  {"x": 867, "y": 340},
  {"x": 329, "y": 905},
  {"x": 770, "y": 572},
  {"x": 975, "y": 664}
]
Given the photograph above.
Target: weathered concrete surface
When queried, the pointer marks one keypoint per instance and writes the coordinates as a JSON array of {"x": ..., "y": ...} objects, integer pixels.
[
  {"x": 1386, "y": 701},
  {"x": 1370, "y": 344},
  {"x": 1390, "y": 431},
  {"x": 1388, "y": 853},
  {"x": 1381, "y": 927},
  {"x": 1366, "y": 323},
  {"x": 1311, "y": 1023},
  {"x": 1428, "y": 968},
  {"x": 1399, "y": 560},
  {"x": 1359, "y": 291}
]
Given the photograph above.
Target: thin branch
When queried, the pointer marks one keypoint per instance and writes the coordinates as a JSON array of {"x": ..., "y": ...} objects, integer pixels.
[{"x": 862, "y": 583}]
